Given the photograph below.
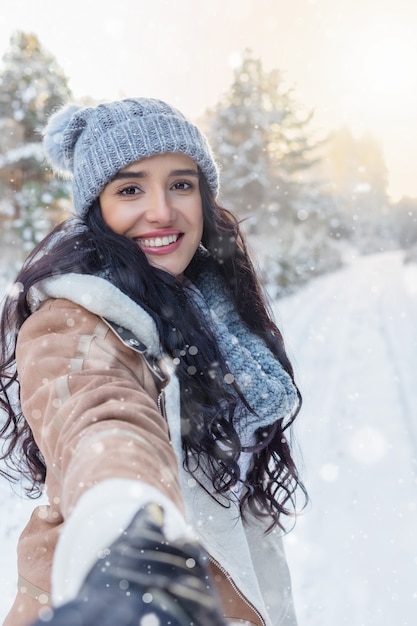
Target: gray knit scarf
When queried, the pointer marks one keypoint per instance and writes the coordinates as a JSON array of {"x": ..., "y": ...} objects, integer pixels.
[{"x": 267, "y": 387}]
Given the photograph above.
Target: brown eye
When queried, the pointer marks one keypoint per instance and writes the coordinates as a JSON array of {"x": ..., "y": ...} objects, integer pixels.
[
  {"x": 131, "y": 190},
  {"x": 182, "y": 185}
]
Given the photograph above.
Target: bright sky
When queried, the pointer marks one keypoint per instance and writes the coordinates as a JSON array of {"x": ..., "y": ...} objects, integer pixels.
[{"x": 353, "y": 61}]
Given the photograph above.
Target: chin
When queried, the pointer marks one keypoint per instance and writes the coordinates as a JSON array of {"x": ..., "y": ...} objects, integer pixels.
[{"x": 174, "y": 271}]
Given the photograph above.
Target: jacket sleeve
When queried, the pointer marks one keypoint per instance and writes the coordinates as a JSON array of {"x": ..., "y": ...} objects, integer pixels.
[{"x": 91, "y": 404}]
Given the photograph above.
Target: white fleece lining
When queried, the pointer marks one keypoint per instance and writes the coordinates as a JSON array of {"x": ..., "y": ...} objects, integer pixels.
[
  {"x": 99, "y": 517},
  {"x": 97, "y": 295}
]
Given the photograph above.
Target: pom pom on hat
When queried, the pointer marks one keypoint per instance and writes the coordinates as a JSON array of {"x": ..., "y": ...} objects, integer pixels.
[
  {"x": 94, "y": 143},
  {"x": 53, "y": 138}
]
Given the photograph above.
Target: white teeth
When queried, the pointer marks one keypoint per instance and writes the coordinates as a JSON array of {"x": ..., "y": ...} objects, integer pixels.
[{"x": 157, "y": 242}]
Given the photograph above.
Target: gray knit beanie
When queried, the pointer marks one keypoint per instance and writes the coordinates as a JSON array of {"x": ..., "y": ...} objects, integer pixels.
[{"x": 92, "y": 144}]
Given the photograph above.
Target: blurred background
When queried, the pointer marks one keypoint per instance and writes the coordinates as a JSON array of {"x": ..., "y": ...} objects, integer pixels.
[{"x": 311, "y": 109}]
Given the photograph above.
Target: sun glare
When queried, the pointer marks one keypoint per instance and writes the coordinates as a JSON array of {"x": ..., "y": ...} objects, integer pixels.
[
  {"x": 379, "y": 67},
  {"x": 387, "y": 67}
]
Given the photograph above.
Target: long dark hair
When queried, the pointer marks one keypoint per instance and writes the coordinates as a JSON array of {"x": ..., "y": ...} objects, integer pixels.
[{"x": 210, "y": 440}]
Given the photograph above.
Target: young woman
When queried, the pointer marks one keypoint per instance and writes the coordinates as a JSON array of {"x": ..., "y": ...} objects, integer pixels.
[{"x": 147, "y": 390}]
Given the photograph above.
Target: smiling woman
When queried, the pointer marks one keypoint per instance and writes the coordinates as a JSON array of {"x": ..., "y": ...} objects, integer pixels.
[{"x": 156, "y": 393}]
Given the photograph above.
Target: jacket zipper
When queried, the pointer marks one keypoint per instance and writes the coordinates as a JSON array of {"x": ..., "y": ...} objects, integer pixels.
[
  {"x": 161, "y": 404},
  {"x": 237, "y": 590}
]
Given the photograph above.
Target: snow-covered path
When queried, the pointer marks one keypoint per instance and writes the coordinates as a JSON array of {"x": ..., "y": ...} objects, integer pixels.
[{"x": 352, "y": 337}]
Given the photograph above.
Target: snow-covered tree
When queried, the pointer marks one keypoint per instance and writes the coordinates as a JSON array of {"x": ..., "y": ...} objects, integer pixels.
[
  {"x": 357, "y": 171},
  {"x": 267, "y": 155},
  {"x": 404, "y": 226},
  {"x": 261, "y": 140},
  {"x": 32, "y": 85}
]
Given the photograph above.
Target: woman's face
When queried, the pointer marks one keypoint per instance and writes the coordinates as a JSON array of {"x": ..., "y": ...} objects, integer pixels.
[{"x": 156, "y": 202}]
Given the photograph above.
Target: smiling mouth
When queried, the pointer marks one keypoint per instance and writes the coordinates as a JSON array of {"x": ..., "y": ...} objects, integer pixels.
[{"x": 159, "y": 242}]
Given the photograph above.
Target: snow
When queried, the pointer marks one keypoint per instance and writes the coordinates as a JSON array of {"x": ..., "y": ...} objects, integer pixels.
[
  {"x": 27, "y": 151},
  {"x": 352, "y": 338}
]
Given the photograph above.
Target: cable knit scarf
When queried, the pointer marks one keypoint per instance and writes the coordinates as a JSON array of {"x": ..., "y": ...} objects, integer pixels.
[{"x": 265, "y": 384}]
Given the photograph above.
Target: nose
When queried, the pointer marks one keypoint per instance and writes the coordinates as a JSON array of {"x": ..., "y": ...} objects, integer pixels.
[{"x": 159, "y": 209}]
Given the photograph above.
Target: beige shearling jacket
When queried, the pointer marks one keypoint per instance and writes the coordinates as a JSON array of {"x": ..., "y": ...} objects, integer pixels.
[{"x": 104, "y": 407}]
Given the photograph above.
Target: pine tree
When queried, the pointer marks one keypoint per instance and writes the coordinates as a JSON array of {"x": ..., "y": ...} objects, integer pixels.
[
  {"x": 260, "y": 139},
  {"x": 32, "y": 85},
  {"x": 357, "y": 170},
  {"x": 404, "y": 225},
  {"x": 265, "y": 151}
]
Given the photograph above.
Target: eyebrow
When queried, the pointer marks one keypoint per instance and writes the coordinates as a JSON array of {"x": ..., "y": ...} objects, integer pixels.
[{"x": 143, "y": 174}]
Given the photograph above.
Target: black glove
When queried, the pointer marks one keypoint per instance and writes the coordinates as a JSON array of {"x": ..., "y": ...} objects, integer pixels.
[{"x": 145, "y": 580}]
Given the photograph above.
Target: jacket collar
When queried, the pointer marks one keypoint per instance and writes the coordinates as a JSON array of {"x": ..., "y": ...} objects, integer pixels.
[{"x": 102, "y": 298}]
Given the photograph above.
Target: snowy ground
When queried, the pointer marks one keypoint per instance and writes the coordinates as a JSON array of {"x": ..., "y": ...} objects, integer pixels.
[{"x": 352, "y": 337}]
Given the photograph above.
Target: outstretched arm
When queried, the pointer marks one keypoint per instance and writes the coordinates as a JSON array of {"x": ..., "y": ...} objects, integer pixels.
[{"x": 144, "y": 579}]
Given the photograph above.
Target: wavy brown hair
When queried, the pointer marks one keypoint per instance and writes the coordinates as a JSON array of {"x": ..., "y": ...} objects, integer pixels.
[{"x": 210, "y": 440}]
